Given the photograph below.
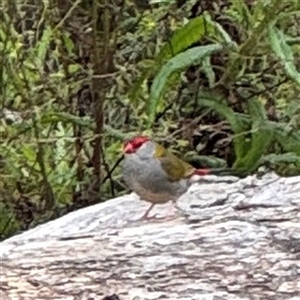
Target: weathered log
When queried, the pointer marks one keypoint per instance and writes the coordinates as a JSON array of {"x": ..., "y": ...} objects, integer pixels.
[{"x": 231, "y": 239}]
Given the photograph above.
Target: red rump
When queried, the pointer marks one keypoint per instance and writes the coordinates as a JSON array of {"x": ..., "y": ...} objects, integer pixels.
[{"x": 202, "y": 172}]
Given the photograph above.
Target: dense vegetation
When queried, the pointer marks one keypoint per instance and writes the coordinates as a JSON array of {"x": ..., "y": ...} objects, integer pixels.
[{"x": 217, "y": 81}]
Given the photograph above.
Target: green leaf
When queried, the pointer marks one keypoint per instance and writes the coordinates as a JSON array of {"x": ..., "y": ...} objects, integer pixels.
[
  {"x": 8, "y": 223},
  {"x": 134, "y": 93},
  {"x": 261, "y": 138},
  {"x": 237, "y": 125},
  {"x": 215, "y": 30},
  {"x": 73, "y": 68},
  {"x": 29, "y": 153},
  {"x": 43, "y": 45},
  {"x": 284, "y": 52},
  {"x": 176, "y": 64},
  {"x": 206, "y": 161},
  {"x": 241, "y": 11},
  {"x": 208, "y": 70},
  {"x": 287, "y": 137},
  {"x": 58, "y": 75},
  {"x": 68, "y": 43},
  {"x": 277, "y": 159},
  {"x": 181, "y": 40}
]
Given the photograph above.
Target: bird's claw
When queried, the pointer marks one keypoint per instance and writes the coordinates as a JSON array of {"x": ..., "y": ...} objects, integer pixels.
[
  {"x": 146, "y": 217},
  {"x": 155, "y": 217}
]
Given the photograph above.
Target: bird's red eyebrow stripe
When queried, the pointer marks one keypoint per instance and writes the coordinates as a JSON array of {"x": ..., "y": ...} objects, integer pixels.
[{"x": 130, "y": 146}]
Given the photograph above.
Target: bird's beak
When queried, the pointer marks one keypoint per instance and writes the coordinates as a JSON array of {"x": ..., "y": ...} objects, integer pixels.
[{"x": 128, "y": 149}]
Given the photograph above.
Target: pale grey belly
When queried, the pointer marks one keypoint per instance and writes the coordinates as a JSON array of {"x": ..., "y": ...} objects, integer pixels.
[
  {"x": 150, "y": 183},
  {"x": 150, "y": 195}
]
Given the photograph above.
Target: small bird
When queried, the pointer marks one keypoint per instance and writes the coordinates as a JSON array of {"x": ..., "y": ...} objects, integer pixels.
[{"x": 155, "y": 174}]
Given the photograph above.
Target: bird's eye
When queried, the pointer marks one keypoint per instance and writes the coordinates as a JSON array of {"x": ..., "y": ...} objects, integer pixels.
[{"x": 137, "y": 143}]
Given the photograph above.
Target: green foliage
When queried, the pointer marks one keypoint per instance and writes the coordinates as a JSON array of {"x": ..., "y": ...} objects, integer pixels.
[
  {"x": 284, "y": 52},
  {"x": 219, "y": 105},
  {"x": 182, "y": 39},
  {"x": 251, "y": 141},
  {"x": 261, "y": 137},
  {"x": 176, "y": 64},
  {"x": 8, "y": 223}
]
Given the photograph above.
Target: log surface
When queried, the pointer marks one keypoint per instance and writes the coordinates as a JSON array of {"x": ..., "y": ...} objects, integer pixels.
[{"x": 231, "y": 239}]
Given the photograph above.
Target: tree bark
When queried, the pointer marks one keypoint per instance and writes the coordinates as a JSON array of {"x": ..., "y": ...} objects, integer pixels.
[{"x": 230, "y": 239}]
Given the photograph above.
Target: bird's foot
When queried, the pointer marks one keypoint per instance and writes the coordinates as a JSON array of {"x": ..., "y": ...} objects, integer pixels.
[
  {"x": 146, "y": 217},
  {"x": 157, "y": 218}
]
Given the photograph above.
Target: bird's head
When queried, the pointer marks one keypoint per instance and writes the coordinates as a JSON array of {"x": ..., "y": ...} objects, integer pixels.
[{"x": 132, "y": 145}]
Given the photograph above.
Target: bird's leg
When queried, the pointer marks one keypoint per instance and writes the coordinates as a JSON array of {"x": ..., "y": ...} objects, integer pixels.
[
  {"x": 177, "y": 207},
  {"x": 171, "y": 208},
  {"x": 178, "y": 210},
  {"x": 168, "y": 216},
  {"x": 145, "y": 215}
]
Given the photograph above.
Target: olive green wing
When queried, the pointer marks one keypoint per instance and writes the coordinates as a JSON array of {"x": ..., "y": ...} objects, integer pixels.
[{"x": 175, "y": 167}]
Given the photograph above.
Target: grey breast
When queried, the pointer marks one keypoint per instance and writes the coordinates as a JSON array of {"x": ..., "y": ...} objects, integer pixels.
[{"x": 144, "y": 175}]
